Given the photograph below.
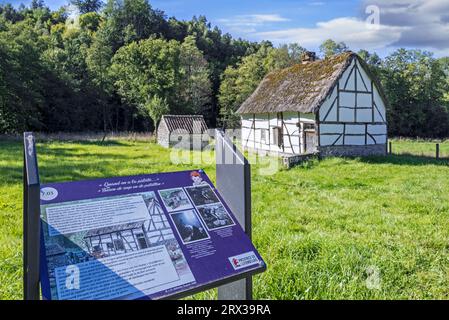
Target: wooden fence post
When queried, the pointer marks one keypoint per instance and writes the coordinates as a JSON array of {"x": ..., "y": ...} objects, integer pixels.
[
  {"x": 438, "y": 151},
  {"x": 389, "y": 148}
]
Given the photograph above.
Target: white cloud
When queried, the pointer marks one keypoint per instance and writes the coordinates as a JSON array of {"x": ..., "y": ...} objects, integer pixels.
[
  {"x": 316, "y": 3},
  {"x": 427, "y": 21},
  {"x": 263, "y": 18},
  {"x": 248, "y": 23},
  {"x": 422, "y": 24},
  {"x": 353, "y": 31}
]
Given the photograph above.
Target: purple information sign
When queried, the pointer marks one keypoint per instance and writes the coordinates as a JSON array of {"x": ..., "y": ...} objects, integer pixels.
[{"x": 140, "y": 237}]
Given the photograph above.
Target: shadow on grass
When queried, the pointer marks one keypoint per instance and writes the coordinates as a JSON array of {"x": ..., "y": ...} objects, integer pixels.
[
  {"x": 65, "y": 168},
  {"x": 66, "y": 153},
  {"x": 405, "y": 159},
  {"x": 98, "y": 143}
]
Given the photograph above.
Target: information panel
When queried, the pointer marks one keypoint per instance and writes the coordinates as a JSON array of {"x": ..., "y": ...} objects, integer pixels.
[{"x": 148, "y": 236}]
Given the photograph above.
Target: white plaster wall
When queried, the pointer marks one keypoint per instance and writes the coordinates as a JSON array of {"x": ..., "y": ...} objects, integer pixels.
[
  {"x": 247, "y": 121},
  {"x": 377, "y": 129},
  {"x": 354, "y": 140},
  {"x": 346, "y": 115},
  {"x": 328, "y": 140},
  {"x": 331, "y": 128},
  {"x": 364, "y": 100},
  {"x": 345, "y": 76},
  {"x": 347, "y": 99},
  {"x": 327, "y": 104},
  {"x": 379, "y": 116},
  {"x": 364, "y": 115},
  {"x": 363, "y": 75},
  {"x": 355, "y": 129},
  {"x": 261, "y": 121}
]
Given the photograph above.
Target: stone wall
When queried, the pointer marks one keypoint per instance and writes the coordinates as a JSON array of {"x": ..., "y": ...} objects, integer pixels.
[
  {"x": 163, "y": 136},
  {"x": 293, "y": 160},
  {"x": 189, "y": 141},
  {"x": 353, "y": 151}
]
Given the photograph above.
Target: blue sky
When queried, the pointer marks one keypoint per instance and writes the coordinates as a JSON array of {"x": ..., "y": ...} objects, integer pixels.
[{"x": 422, "y": 24}]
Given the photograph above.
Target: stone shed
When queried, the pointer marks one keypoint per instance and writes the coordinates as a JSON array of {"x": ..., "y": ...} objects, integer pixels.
[{"x": 183, "y": 131}]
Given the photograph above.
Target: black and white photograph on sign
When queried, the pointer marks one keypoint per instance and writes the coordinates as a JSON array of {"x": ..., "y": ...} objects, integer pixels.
[
  {"x": 215, "y": 216},
  {"x": 189, "y": 226},
  {"x": 202, "y": 195},
  {"x": 175, "y": 199}
]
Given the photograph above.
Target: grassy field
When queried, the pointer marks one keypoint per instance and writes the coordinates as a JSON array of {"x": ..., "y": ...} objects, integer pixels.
[
  {"x": 375, "y": 228},
  {"x": 423, "y": 148}
]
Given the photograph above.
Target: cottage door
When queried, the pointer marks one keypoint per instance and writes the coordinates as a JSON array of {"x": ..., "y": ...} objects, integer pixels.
[{"x": 311, "y": 141}]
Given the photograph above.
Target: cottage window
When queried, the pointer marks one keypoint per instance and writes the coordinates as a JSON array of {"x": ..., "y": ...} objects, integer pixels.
[
  {"x": 309, "y": 127},
  {"x": 141, "y": 241},
  {"x": 264, "y": 136}
]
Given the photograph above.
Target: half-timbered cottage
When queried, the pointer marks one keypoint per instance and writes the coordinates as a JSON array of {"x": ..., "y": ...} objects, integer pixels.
[{"x": 333, "y": 106}]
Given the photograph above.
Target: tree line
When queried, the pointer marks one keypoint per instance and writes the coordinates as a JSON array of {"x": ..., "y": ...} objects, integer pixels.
[{"x": 119, "y": 65}]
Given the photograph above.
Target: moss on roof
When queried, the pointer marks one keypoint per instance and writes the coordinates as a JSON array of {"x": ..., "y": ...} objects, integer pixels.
[
  {"x": 300, "y": 88},
  {"x": 188, "y": 123}
]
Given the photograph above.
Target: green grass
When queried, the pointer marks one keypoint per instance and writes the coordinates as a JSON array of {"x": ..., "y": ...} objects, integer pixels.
[
  {"x": 424, "y": 148},
  {"x": 322, "y": 227}
]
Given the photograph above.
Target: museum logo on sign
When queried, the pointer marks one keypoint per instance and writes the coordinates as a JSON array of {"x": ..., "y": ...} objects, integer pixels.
[
  {"x": 48, "y": 193},
  {"x": 244, "y": 260}
]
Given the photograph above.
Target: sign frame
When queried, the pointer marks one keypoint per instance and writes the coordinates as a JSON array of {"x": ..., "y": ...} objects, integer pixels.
[{"x": 238, "y": 286}]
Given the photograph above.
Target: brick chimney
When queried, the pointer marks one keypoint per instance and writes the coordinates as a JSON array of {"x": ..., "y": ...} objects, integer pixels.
[{"x": 308, "y": 56}]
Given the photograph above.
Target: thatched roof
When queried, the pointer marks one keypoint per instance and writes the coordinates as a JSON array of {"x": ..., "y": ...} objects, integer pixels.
[
  {"x": 189, "y": 123},
  {"x": 300, "y": 88}
]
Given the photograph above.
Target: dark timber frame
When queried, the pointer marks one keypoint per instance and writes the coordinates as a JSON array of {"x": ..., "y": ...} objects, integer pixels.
[{"x": 233, "y": 182}]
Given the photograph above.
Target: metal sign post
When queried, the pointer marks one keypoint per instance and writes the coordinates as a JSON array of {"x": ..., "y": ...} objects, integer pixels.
[
  {"x": 234, "y": 184},
  {"x": 31, "y": 219}
]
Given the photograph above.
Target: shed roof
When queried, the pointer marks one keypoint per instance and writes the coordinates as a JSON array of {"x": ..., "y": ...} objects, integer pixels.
[
  {"x": 302, "y": 87},
  {"x": 189, "y": 123}
]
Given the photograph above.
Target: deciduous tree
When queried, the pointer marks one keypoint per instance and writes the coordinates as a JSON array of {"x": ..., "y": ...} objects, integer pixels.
[
  {"x": 147, "y": 69},
  {"x": 195, "y": 87},
  {"x": 85, "y": 6},
  {"x": 330, "y": 47}
]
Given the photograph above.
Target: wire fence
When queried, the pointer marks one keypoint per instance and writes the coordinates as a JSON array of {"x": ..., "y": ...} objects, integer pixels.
[
  {"x": 437, "y": 149},
  {"x": 85, "y": 136}
]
